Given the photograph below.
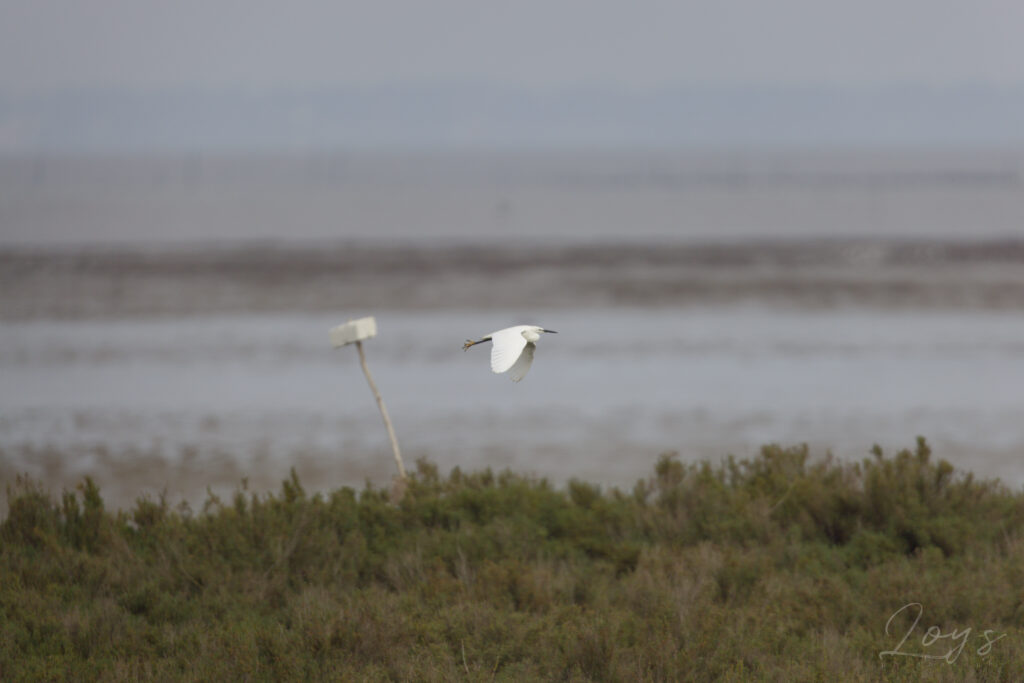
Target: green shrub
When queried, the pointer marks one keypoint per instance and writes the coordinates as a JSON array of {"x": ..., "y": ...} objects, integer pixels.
[{"x": 780, "y": 567}]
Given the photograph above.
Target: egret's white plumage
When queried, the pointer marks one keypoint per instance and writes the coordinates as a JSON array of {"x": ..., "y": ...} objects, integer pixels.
[{"x": 512, "y": 349}]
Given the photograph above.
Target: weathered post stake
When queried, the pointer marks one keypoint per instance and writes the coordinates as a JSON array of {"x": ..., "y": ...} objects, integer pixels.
[{"x": 355, "y": 331}]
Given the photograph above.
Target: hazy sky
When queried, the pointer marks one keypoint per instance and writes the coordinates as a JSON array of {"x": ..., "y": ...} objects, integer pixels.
[{"x": 51, "y": 44}]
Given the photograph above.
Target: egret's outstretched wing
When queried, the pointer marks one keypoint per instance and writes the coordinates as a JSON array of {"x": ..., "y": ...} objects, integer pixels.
[
  {"x": 522, "y": 366},
  {"x": 507, "y": 346}
]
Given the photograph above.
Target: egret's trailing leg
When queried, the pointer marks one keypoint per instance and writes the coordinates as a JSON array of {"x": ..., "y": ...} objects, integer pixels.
[{"x": 470, "y": 342}]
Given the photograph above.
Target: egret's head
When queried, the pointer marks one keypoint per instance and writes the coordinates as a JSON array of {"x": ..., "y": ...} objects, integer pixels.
[{"x": 532, "y": 334}]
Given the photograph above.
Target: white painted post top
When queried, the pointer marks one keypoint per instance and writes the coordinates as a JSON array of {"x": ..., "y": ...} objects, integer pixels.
[{"x": 353, "y": 331}]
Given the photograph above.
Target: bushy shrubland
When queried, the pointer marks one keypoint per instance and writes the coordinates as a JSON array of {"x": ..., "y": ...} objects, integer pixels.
[{"x": 775, "y": 568}]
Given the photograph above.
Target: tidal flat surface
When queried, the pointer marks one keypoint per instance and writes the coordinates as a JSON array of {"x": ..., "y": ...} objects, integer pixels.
[{"x": 163, "y": 324}]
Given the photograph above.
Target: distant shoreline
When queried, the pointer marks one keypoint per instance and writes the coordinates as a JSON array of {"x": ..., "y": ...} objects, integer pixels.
[{"x": 69, "y": 283}]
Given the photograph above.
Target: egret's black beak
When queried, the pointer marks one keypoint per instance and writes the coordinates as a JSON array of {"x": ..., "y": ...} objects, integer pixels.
[{"x": 549, "y": 331}]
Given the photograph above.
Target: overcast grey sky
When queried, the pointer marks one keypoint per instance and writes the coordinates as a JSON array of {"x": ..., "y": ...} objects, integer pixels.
[{"x": 53, "y": 44}]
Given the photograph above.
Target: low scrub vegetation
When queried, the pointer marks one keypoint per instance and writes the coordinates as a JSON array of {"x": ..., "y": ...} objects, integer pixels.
[{"x": 776, "y": 568}]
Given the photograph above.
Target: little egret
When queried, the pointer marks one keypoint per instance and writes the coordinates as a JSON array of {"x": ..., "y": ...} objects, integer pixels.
[{"x": 512, "y": 349}]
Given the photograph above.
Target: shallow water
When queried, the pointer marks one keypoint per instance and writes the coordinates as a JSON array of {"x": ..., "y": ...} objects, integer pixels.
[
  {"x": 250, "y": 395},
  {"x": 504, "y": 197}
]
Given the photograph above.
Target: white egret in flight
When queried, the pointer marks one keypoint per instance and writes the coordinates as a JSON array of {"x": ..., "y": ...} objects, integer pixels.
[{"x": 512, "y": 349}]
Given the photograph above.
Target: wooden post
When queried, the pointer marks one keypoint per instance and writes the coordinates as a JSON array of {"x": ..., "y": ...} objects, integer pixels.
[
  {"x": 383, "y": 411},
  {"x": 354, "y": 332}
]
